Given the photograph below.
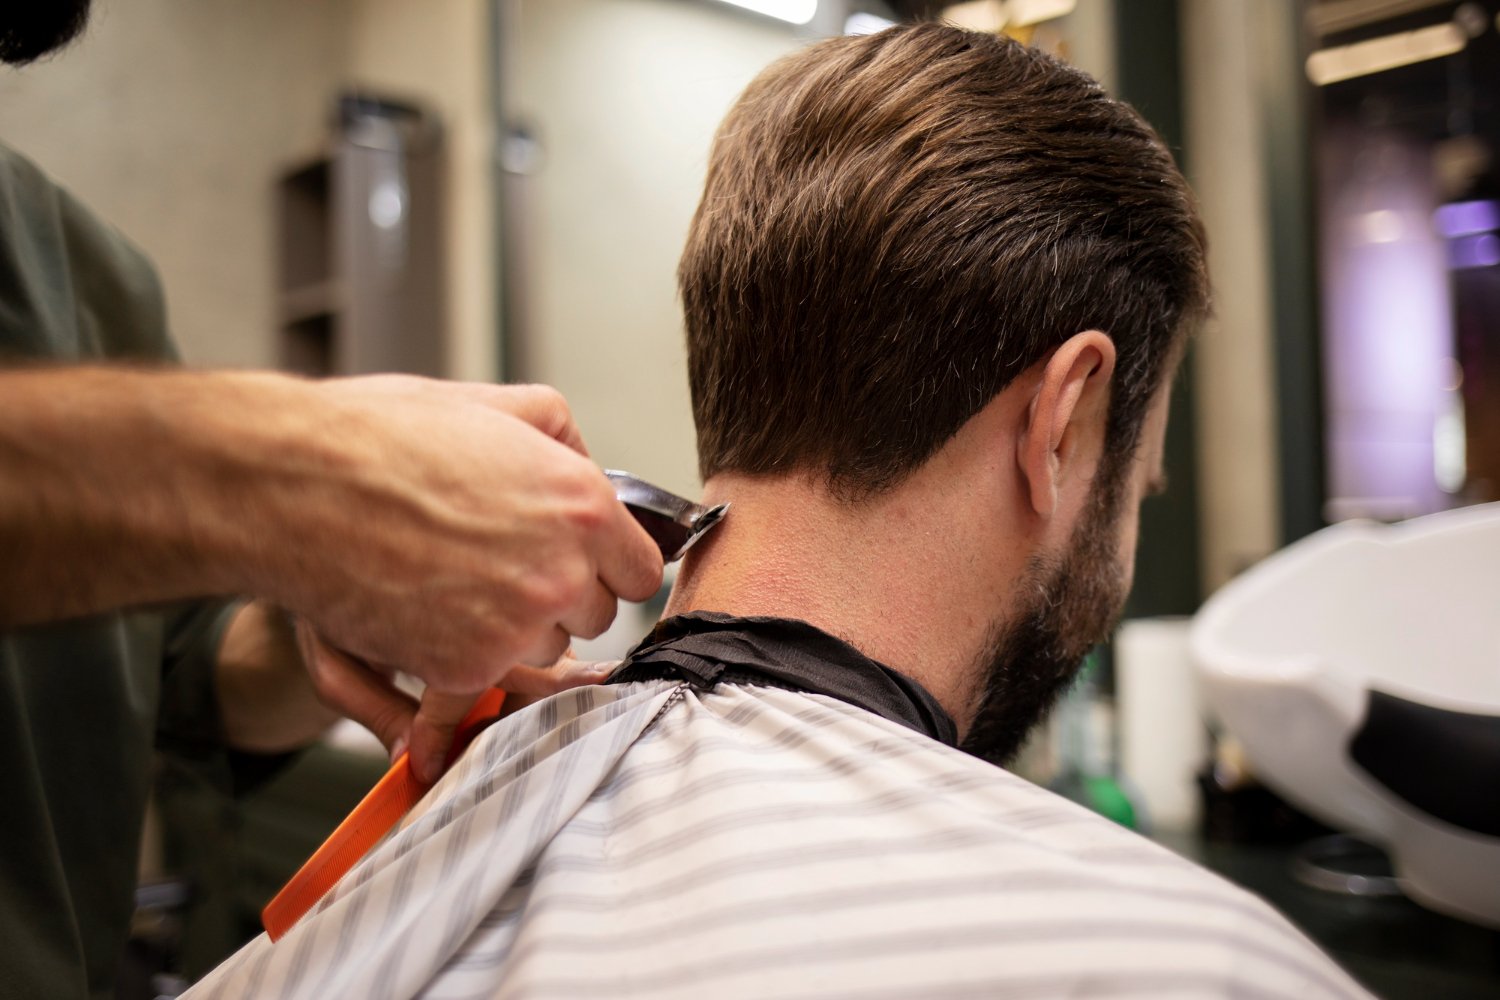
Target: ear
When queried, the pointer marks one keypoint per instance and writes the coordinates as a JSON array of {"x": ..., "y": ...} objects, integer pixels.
[{"x": 1064, "y": 432}]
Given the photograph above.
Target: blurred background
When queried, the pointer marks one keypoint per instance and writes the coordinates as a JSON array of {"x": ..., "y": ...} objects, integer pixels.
[{"x": 499, "y": 189}]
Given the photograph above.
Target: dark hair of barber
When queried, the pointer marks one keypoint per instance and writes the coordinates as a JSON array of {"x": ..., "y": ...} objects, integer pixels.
[{"x": 30, "y": 30}]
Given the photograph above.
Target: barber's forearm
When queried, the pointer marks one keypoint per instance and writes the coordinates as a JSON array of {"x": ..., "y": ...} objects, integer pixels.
[
  {"x": 121, "y": 487},
  {"x": 266, "y": 700}
]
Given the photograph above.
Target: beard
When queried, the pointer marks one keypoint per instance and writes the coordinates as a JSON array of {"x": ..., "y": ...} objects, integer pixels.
[
  {"x": 1069, "y": 606},
  {"x": 29, "y": 30}
]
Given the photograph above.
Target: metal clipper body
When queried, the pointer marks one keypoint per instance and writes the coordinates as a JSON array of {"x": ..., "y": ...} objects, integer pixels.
[{"x": 673, "y": 522}]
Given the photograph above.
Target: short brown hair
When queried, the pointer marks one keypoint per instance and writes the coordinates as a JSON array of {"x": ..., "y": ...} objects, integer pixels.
[{"x": 895, "y": 226}]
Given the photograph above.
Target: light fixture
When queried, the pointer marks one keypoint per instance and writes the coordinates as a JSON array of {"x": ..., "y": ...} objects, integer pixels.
[
  {"x": 866, "y": 24},
  {"x": 1024, "y": 12},
  {"x": 1345, "y": 62},
  {"x": 1465, "y": 218},
  {"x": 978, "y": 15},
  {"x": 1479, "y": 250},
  {"x": 1450, "y": 445},
  {"x": 997, "y": 15},
  {"x": 790, "y": 11},
  {"x": 1381, "y": 226}
]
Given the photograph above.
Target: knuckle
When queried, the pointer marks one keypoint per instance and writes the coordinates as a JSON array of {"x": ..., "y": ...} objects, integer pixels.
[
  {"x": 329, "y": 694},
  {"x": 653, "y": 572},
  {"x": 555, "y": 647},
  {"x": 588, "y": 494},
  {"x": 640, "y": 580},
  {"x": 553, "y": 594},
  {"x": 384, "y": 722},
  {"x": 388, "y": 383},
  {"x": 589, "y": 628},
  {"x": 602, "y": 615},
  {"x": 545, "y": 649},
  {"x": 327, "y": 686},
  {"x": 487, "y": 668},
  {"x": 463, "y": 672},
  {"x": 547, "y": 396},
  {"x": 436, "y": 719},
  {"x": 543, "y": 405}
]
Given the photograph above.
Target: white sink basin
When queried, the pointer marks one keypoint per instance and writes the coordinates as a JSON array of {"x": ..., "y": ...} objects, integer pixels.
[{"x": 1360, "y": 668}]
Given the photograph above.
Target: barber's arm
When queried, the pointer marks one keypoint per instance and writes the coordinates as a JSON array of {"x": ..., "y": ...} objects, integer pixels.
[{"x": 450, "y": 530}]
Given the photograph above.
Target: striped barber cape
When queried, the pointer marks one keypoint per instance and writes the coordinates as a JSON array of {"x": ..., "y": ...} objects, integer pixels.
[{"x": 719, "y": 832}]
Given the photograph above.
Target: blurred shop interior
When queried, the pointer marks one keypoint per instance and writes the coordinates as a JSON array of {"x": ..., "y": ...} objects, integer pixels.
[{"x": 499, "y": 190}]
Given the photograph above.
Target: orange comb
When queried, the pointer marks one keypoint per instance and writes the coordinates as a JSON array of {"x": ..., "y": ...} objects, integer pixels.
[{"x": 379, "y": 811}]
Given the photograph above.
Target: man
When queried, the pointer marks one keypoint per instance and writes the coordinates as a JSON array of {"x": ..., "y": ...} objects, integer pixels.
[
  {"x": 935, "y": 291},
  {"x": 449, "y": 531}
]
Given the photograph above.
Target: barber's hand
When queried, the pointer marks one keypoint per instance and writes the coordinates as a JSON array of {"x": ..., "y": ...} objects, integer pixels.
[
  {"x": 452, "y": 531},
  {"x": 366, "y": 694}
]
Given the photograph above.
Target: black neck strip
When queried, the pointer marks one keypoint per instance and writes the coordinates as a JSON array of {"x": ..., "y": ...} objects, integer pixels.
[{"x": 706, "y": 648}]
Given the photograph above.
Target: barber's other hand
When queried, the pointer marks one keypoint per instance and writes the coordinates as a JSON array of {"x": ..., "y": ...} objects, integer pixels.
[
  {"x": 450, "y": 530},
  {"x": 366, "y": 694}
]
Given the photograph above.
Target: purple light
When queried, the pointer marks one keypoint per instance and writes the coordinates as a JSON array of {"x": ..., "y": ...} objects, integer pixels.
[
  {"x": 1388, "y": 318},
  {"x": 1464, "y": 218},
  {"x": 1474, "y": 251}
]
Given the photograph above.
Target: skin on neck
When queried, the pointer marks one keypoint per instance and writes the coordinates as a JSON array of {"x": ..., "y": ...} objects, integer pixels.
[{"x": 916, "y": 577}]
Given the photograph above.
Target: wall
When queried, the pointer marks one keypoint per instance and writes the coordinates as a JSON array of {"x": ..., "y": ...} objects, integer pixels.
[
  {"x": 173, "y": 117},
  {"x": 1090, "y": 33},
  {"x": 170, "y": 117},
  {"x": 623, "y": 97},
  {"x": 1236, "y": 391},
  {"x": 438, "y": 51}
]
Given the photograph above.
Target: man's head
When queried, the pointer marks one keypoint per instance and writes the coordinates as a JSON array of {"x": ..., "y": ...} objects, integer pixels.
[
  {"x": 897, "y": 225},
  {"x": 906, "y": 235},
  {"x": 29, "y": 31}
]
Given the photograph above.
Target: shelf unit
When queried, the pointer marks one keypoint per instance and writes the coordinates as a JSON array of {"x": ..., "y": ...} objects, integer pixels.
[{"x": 360, "y": 246}]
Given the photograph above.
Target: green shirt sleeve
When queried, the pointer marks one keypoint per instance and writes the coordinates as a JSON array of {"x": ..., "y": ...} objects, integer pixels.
[{"x": 188, "y": 723}]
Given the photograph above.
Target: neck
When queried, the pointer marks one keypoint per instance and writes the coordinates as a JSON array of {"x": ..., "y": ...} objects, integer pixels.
[{"x": 911, "y": 578}]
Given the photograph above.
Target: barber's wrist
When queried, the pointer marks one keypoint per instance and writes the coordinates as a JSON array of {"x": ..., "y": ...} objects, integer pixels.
[{"x": 268, "y": 454}]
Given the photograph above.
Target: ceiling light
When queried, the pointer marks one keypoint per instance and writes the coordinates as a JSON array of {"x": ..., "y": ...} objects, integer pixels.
[
  {"x": 997, "y": 15},
  {"x": 1024, "y": 12},
  {"x": 1381, "y": 226},
  {"x": 1345, "y": 62},
  {"x": 866, "y": 24},
  {"x": 790, "y": 11},
  {"x": 1465, "y": 218},
  {"x": 977, "y": 15}
]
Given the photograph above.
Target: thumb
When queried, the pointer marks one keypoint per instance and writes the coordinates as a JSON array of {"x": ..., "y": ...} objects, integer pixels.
[{"x": 432, "y": 731}]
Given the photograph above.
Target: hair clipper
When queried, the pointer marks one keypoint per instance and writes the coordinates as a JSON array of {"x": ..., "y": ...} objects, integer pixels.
[{"x": 674, "y": 523}]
